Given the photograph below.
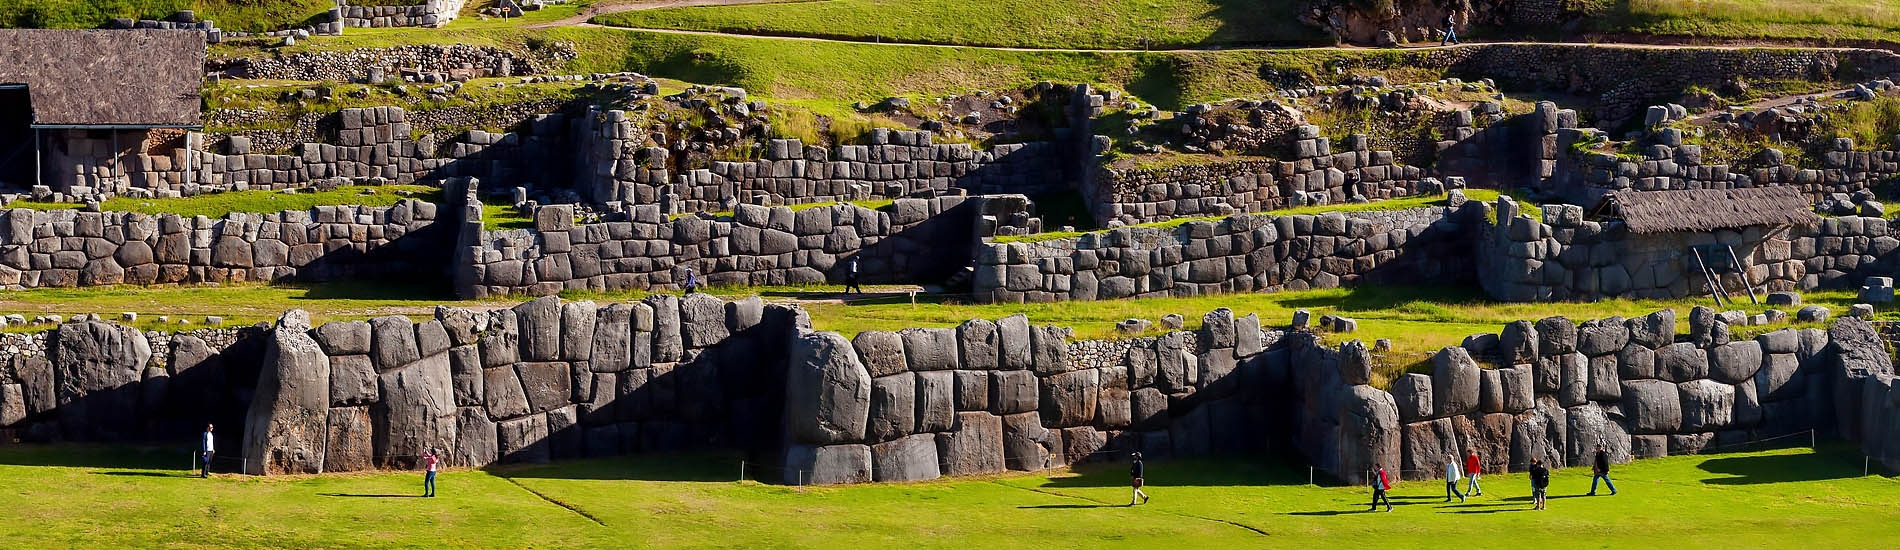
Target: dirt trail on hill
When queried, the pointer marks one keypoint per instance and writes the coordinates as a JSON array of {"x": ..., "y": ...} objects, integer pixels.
[{"x": 637, "y": 5}]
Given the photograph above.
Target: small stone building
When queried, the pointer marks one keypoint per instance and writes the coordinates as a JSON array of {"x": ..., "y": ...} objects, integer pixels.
[
  {"x": 77, "y": 105},
  {"x": 1645, "y": 244}
]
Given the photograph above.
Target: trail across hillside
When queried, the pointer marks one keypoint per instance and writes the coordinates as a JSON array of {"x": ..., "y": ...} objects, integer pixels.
[{"x": 637, "y": 5}]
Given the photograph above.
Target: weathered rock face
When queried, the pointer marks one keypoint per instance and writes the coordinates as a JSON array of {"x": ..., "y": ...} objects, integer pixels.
[
  {"x": 286, "y": 432},
  {"x": 827, "y": 390},
  {"x": 96, "y": 367},
  {"x": 1454, "y": 382},
  {"x": 416, "y": 413},
  {"x": 1369, "y": 432}
]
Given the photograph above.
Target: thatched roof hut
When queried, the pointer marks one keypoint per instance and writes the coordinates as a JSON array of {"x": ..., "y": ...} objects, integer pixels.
[
  {"x": 106, "y": 78},
  {"x": 1648, "y": 212}
]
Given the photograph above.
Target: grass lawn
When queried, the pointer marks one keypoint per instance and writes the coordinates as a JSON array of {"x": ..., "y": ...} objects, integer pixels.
[
  {"x": 217, "y": 205},
  {"x": 1097, "y": 24},
  {"x": 1823, "y": 20},
  {"x": 90, "y": 496},
  {"x": 236, "y": 15}
]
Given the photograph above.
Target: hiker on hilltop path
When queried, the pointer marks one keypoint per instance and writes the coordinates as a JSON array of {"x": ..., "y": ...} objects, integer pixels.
[
  {"x": 1601, "y": 470},
  {"x": 206, "y": 449},
  {"x": 1540, "y": 481},
  {"x": 1380, "y": 484},
  {"x": 1451, "y": 29},
  {"x": 1135, "y": 472},
  {"x": 1473, "y": 469},
  {"x": 428, "y": 479},
  {"x": 1452, "y": 474}
]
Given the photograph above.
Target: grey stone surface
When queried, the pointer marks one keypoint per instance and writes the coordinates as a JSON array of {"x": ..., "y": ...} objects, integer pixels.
[
  {"x": 893, "y": 407},
  {"x": 909, "y": 458},
  {"x": 1454, "y": 382},
  {"x": 927, "y": 349},
  {"x": 285, "y": 428},
  {"x": 393, "y": 342},
  {"x": 827, "y": 390}
]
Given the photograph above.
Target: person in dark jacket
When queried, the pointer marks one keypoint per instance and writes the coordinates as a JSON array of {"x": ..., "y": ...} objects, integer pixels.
[
  {"x": 1451, "y": 29},
  {"x": 1601, "y": 470},
  {"x": 1135, "y": 474},
  {"x": 1380, "y": 484},
  {"x": 1540, "y": 481},
  {"x": 851, "y": 276}
]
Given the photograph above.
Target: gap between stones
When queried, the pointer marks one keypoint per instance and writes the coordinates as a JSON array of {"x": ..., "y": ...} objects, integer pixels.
[
  {"x": 1256, "y": 530},
  {"x": 552, "y": 500}
]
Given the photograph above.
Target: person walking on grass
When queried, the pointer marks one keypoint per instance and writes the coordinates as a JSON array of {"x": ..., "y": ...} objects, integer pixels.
[
  {"x": 205, "y": 450},
  {"x": 692, "y": 281},
  {"x": 851, "y": 276},
  {"x": 428, "y": 479},
  {"x": 1540, "y": 481},
  {"x": 1600, "y": 470},
  {"x": 1473, "y": 469},
  {"x": 1452, "y": 475},
  {"x": 1380, "y": 484},
  {"x": 1451, "y": 29},
  {"x": 1135, "y": 474}
]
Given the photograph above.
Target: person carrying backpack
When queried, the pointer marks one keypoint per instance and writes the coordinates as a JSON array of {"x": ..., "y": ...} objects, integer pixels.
[
  {"x": 1135, "y": 474},
  {"x": 1380, "y": 484},
  {"x": 1451, "y": 29},
  {"x": 1540, "y": 481}
]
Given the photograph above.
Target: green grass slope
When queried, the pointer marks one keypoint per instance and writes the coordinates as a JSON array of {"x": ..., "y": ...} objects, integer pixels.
[
  {"x": 83, "y": 496},
  {"x": 1092, "y": 24},
  {"x": 1807, "y": 20},
  {"x": 237, "y": 15}
]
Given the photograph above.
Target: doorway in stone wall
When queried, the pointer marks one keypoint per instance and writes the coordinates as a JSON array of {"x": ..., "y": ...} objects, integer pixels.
[{"x": 16, "y": 137}]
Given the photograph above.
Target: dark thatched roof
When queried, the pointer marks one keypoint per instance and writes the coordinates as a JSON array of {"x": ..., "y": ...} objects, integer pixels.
[
  {"x": 1711, "y": 209},
  {"x": 107, "y": 77}
]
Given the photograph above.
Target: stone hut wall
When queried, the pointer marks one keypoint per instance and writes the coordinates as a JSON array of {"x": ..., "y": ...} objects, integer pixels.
[
  {"x": 1564, "y": 257},
  {"x": 1247, "y": 253},
  {"x": 433, "y": 13},
  {"x": 68, "y": 248}
]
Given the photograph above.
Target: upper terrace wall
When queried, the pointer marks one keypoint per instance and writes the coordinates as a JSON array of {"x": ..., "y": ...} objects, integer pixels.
[
  {"x": 896, "y": 164},
  {"x": 1245, "y": 253},
  {"x": 68, "y": 248}
]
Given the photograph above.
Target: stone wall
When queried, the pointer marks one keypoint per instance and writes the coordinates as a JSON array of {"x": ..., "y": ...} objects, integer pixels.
[
  {"x": 912, "y": 240},
  {"x": 1564, "y": 257},
  {"x": 92, "y": 381},
  {"x": 986, "y": 397},
  {"x": 432, "y": 13},
  {"x": 896, "y": 164},
  {"x": 1667, "y": 163},
  {"x": 542, "y": 380},
  {"x": 363, "y": 145},
  {"x": 1635, "y": 386},
  {"x": 68, "y": 248},
  {"x": 1318, "y": 175},
  {"x": 359, "y": 64},
  {"x": 1247, "y": 253}
]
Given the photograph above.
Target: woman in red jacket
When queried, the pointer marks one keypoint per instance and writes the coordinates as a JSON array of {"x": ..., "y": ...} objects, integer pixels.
[{"x": 1472, "y": 469}]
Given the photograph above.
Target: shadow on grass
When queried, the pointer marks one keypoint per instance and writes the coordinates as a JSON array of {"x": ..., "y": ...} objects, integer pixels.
[
  {"x": 1070, "y": 506},
  {"x": 84, "y": 455},
  {"x": 144, "y": 474},
  {"x": 1188, "y": 473},
  {"x": 352, "y": 495},
  {"x": 1786, "y": 468},
  {"x": 701, "y": 467},
  {"x": 1331, "y": 512}
]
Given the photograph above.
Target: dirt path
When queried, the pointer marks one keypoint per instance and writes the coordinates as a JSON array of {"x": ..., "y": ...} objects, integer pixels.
[{"x": 637, "y": 5}]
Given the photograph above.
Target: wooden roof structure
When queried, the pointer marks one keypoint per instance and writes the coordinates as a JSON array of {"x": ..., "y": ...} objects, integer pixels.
[
  {"x": 1649, "y": 212},
  {"x": 144, "y": 78}
]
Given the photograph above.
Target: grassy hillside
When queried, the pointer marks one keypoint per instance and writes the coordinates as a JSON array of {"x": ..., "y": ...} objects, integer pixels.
[
  {"x": 1822, "y": 20},
  {"x": 1094, "y": 24},
  {"x": 87, "y": 496},
  {"x": 238, "y": 15}
]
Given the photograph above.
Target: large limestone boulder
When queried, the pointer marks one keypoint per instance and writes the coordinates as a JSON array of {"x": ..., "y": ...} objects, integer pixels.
[
  {"x": 1069, "y": 399},
  {"x": 927, "y": 349},
  {"x": 1604, "y": 384},
  {"x": 881, "y": 352},
  {"x": 1454, "y": 382},
  {"x": 975, "y": 447},
  {"x": 393, "y": 342},
  {"x": 978, "y": 345},
  {"x": 1652, "y": 406},
  {"x": 1369, "y": 434},
  {"x": 350, "y": 447},
  {"x": 1654, "y": 330},
  {"x": 827, "y": 390},
  {"x": 828, "y": 464},
  {"x": 1734, "y": 362},
  {"x": 936, "y": 401},
  {"x": 893, "y": 407},
  {"x": 1013, "y": 341},
  {"x": 613, "y": 339},
  {"x": 285, "y": 431},
  {"x": 540, "y": 328},
  {"x": 1706, "y": 405},
  {"x": 1426, "y": 447},
  {"x": 578, "y": 320},
  {"x": 1681, "y": 362},
  {"x": 1013, "y": 392},
  {"x": 909, "y": 458},
  {"x": 415, "y": 412},
  {"x": 96, "y": 369},
  {"x": 523, "y": 439},
  {"x": 1027, "y": 445},
  {"x": 1412, "y": 396},
  {"x": 702, "y": 320},
  {"x": 476, "y": 439},
  {"x": 1591, "y": 425},
  {"x": 1519, "y": 393},
  {"x": 547, "y": 386}
]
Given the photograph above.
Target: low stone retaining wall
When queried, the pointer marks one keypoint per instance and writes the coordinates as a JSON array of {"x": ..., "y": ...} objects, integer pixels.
[
  {"x": 1247, "y": 253},
  {"x": 68, "y": 248}
]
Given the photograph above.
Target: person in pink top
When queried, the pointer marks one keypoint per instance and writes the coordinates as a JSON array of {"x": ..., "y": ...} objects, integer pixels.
[{"x": 428, "y": 480}]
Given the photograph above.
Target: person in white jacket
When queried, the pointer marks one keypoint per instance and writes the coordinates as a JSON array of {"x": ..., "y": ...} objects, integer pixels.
[{"x": 1452, "y": 474}]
